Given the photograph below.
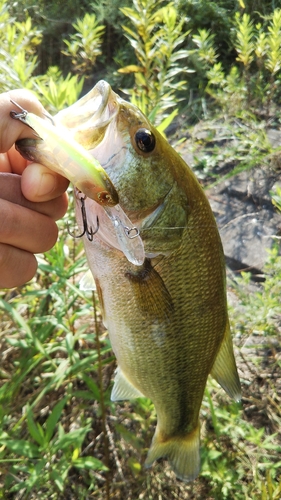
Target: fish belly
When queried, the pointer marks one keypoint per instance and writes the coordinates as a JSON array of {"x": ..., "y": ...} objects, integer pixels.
[{"x": 166, "y": 324}]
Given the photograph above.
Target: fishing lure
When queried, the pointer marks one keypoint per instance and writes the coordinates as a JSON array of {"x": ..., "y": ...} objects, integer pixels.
[
  {"x": 88, "y": 231},
  {"x": 128, "y": 236},
  {"x": 70, "y": 159}
]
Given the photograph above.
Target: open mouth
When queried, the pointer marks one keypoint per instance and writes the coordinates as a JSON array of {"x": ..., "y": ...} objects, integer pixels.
[{"x": 88, "y": 118}]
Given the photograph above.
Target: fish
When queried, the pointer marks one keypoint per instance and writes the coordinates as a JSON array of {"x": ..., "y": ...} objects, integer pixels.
[{"x": 166, "y": 314}]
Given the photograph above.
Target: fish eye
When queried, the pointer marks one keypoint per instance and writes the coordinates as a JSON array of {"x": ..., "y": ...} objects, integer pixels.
[{"x": 145, "y": 140}]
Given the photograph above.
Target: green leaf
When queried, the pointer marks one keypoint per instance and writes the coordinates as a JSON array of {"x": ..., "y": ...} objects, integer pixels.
[
  {"x": 53, "y": 418},
  {"x": 167, "y": 121},
  {"x": 35, "y": 429},
  {"x": 22, "y": 447},
  {"x": 135, "y": 466},
  {"x": 58, "y": 480},
  {"x": 214, "y": 454},
  {"x": 87, "y": 395},
  {"x": 35, "y": 475},
  {"x": 16, "y": 316},
  {"x": 74, "y": 438},
  {"x": 89, "y": 463},
  {"x": 92, "y": 386}
]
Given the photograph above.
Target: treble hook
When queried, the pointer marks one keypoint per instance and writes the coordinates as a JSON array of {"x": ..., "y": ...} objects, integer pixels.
[{"x": 86, "y": 230}]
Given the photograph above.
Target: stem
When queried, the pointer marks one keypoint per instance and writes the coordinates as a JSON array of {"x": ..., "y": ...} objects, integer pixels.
[
  {"x": 270, "y": 97},
  {"x": 102, "y": 404},
  {"x": 213, "y": 413}
]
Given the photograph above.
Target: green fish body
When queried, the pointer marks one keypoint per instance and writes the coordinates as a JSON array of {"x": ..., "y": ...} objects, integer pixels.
[{"x": 167, "y": 316}]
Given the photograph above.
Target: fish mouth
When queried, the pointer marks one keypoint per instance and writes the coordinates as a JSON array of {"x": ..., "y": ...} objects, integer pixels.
[{"x": 88, "y": 119}]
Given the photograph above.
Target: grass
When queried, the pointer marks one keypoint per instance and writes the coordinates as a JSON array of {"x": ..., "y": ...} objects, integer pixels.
[
  {"x": 222, "y": 146},
  {"x": 61, "y": 437}
]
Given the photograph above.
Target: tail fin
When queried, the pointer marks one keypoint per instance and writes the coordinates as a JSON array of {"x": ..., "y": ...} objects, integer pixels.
[{"x": 182, "y": 453}]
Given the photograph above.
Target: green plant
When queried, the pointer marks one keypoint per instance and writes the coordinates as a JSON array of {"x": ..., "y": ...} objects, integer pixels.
[
  {"x": 262, "y": 310},
  {"x": 19, "y": 64},
  {"x": 50, "y": 366},
  {"x": 155, "y": 35},
  {"x": 206, "y": 50},
  {"x": 17, "y": 55},
  {"x": 46, "y": 445},
  {"x": 253, "y": 82},
  {"x": 57, "y": 91},
  {"x": 276, "y": 197},
  {"x": 84, "y": 46}
]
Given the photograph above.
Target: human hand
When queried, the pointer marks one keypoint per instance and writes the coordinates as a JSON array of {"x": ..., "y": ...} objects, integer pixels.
[{"x": 32, "y": 197}]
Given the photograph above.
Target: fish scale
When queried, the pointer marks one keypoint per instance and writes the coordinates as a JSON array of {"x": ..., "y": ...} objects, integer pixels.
[
  {"x": 152, "y": 377},
  {"x": 166, "y": 315}
]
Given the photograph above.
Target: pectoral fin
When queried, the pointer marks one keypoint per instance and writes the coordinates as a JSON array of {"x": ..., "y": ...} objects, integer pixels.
[
  {"x": 87, "y": 282},
  {"x": 123, "y": 389},
  {"x": 224, "y": 369},
  {"x": 151, "y": 294}
]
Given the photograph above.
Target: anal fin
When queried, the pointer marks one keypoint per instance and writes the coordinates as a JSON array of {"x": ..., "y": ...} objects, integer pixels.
[
  {"x": 123, "y": 389},
  {"x": 224, "y": 369}
]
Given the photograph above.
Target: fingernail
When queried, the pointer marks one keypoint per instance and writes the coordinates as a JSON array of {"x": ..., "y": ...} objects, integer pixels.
[{"x": 47, "y": 184}]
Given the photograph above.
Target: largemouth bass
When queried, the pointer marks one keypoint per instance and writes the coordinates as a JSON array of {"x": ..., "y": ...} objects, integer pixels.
[{"x": 166, "y": 316}]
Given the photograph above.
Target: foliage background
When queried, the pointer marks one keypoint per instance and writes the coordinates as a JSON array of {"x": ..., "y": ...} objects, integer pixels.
[{"x": 60, "y": 436}]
